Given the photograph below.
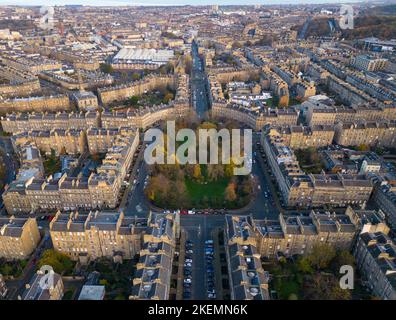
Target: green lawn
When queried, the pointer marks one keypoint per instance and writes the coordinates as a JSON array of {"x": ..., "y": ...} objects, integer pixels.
[
  {"x": 286, "y": 281},
  {"x": 208, "y": 194},
  {"x": 211, "y": 190},
  {"x": 286, "y": 287}
]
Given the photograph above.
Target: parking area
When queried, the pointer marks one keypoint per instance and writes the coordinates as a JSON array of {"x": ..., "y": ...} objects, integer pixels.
[
  {"x": 211, "y": 291},
  {"x": 195, "y": 230},
  {"x": 188, "y": 270}
]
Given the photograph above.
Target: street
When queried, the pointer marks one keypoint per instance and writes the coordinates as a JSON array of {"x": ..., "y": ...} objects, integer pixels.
[
  {"x": 198, "y": 229},
  {"x": 10, "y": 164},
  {"x": 199, "y": 93},
  {"x": 137, "y": 204}
]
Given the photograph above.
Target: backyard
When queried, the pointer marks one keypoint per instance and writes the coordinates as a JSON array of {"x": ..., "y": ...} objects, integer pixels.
[
  {"x": 60, "y": 262},
  {"x": 13, "y": 268},
  {"x": 309, "y": 160},
  {"x": 116, "y": 277},
  {"x": 313, "y": 277},
  {"x": 52, "y": 163}
]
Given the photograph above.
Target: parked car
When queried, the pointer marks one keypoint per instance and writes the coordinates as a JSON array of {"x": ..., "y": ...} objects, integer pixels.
[
  {"x": 187, "y": 289},
  {"x": 186, "y": 295},
  {"x": 187, "y": 272}
]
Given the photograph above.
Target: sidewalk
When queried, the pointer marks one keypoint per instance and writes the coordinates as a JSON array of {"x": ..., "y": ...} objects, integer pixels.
[
  {"x": 180, "y": 276},
  {"x": 223, "y": 293}
]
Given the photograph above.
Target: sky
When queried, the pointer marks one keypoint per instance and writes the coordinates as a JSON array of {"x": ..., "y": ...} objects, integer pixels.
[{"x": 165, "y": 2}]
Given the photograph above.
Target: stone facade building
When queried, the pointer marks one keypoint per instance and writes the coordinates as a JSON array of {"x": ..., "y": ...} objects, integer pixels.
[
  {"x": 248, "y": 280},
  {"x": 97, "y": 234},
  {"x": 366, "y": 133},
  {"x": 19, "y": 237},
  {"x": 99, "y": 190},
  {"x": 21, "y": 122},
  {"x": 311, "y": 190},
  {"x": 375, "y": 255},
  {"x": 137, "y": 88},
  {"x": 36, "y": 104},
  {"x": 291, "y": 235},
  {"x": 302, "y": 137},
  {"x": 152, "y": 278}
]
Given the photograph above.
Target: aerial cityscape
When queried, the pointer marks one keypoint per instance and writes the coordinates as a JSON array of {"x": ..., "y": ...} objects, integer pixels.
[{"x": 197, "y": 151}]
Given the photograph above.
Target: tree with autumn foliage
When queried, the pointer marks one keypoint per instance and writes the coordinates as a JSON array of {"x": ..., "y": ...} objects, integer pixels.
[
  {"x": 197, "y": 174},
  {"x": 230, "y": 192}
]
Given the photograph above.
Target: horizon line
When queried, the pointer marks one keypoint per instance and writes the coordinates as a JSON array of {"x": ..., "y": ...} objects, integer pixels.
[{"x": 121, "y": 3}]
